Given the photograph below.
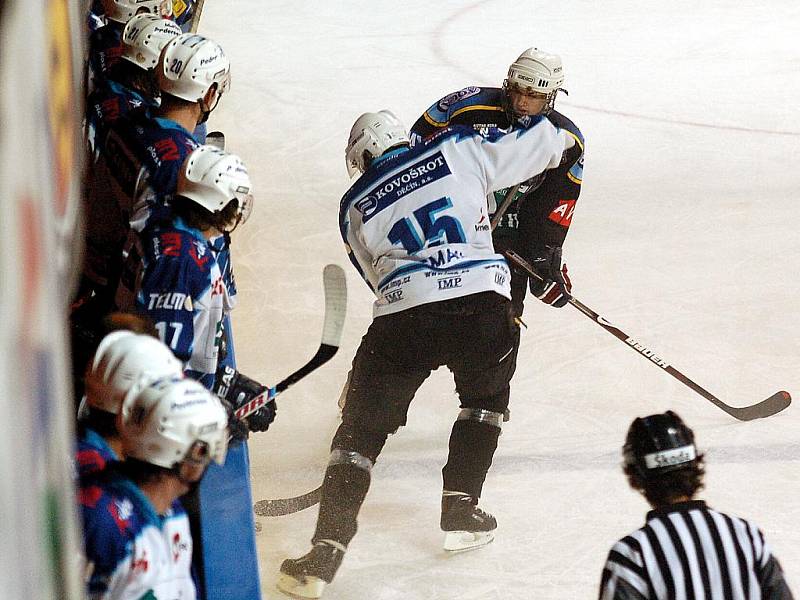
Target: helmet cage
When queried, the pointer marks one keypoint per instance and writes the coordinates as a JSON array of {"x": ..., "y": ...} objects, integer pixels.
[{"x": 509, "y": 87}]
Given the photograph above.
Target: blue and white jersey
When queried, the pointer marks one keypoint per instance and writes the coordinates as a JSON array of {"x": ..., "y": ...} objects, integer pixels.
[
  {"x": 132, "y": 553},
  {"x": 178, "y": 278},
  {"x": 93, "y": 454},
  {"x": 416, "y": 224},
  {"x": 136, "y": 171}
]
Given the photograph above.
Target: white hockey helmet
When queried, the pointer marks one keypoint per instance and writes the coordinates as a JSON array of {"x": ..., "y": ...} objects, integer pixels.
[
  {"x": 126, "y": 361},
  {"x": 143, "y": 38},
  {"x": 190, "y": 65},
  {"x": 371, "y": 135},
  {"x": 121, "y": 11},
  {"x": 213, "y": 178},
  {"x": 538, "y": 72},
  {"x": 174, "y": 419}
]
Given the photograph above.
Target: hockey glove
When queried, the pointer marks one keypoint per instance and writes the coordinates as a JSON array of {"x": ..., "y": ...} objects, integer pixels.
[
  {"x": 555, "y": 287},
  {"x": 237, "y": 429},
  {"x": 238, "y": 390}
]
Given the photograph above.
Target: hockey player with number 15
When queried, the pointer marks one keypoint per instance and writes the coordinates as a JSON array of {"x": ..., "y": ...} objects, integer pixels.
[{"x": 416, "y": 227}]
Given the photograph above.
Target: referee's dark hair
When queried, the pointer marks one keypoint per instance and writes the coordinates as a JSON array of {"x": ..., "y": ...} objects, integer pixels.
[{"x": 660, "y": 459}]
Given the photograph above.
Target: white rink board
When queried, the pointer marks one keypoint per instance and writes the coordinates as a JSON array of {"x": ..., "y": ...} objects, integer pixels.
[{"x": 684, "y": 236}]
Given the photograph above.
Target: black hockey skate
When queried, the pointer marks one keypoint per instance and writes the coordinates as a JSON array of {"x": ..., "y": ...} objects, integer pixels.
[
  {"x": 307, "y": 576},
  {"x": 465, "y": 525}
]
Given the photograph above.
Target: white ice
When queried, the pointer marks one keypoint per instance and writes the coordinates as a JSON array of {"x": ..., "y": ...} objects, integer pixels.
[{"x": 685, "y": 237}]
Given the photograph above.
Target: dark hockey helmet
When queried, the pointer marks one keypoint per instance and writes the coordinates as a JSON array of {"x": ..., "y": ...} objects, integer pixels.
[{"x": 658, "y": 444}]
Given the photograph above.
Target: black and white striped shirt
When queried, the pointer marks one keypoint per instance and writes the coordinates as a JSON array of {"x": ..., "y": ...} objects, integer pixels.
[{"x": 691, "y": 552}]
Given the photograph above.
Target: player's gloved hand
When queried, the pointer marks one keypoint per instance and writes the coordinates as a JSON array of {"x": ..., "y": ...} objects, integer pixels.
[
  {"x": 237, "y": 429},
  {"x": 238, "y": 390},
  {"x": 555, "y": 287}
]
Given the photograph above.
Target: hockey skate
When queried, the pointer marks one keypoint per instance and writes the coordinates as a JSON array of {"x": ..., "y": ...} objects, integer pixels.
[
  {"x": 465, "y": 525},
  {"x": 307, "y": 576}
]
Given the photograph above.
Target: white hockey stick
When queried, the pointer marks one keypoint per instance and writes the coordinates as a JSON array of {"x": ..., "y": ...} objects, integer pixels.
[{"x": 335, "y": 285}]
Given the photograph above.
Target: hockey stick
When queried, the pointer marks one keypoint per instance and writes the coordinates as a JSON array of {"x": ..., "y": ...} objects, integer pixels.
[
  {"x": 286, "y": 506},
  {"x": 198, "y": 10},
  {"x": 501, "y": 210},
  {"x": 772, "y": 405},
  {"x": 335, "y": 285}
]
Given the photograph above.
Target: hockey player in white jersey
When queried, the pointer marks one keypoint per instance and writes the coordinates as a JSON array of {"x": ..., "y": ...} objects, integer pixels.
[{"x": 416, "y": 227}]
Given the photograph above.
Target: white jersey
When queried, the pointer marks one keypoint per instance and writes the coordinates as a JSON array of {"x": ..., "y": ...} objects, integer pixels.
[{"x": 416, "y": 224}]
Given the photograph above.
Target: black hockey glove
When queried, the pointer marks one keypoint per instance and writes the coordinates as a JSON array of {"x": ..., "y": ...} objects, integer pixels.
[
  {"x": 555, "y": 287},
  {"x": 237, "y": 429},
  {"x": 238, "y": 390}
]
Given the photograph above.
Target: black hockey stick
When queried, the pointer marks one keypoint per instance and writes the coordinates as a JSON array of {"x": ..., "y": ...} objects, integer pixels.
[
  {"x": 774, "y": 404},
  {"x": 335, "y": 285},
  {"x": 286, "y": 506}
]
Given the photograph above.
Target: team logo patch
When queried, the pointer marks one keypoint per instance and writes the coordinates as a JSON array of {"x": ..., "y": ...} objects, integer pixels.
[
  {"x": 483, "y": 224},
  {"x": 198, "y": 253},
  {"x": 458, "y": 96},
  {"x": 366, "y": 206}
]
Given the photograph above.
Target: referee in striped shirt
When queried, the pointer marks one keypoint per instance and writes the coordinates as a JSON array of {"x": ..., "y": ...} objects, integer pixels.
[{"x": 686, "y": 550}]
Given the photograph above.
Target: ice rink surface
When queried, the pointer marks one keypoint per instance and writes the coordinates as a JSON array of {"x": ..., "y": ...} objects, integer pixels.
[{"x": 685, "y": 236}]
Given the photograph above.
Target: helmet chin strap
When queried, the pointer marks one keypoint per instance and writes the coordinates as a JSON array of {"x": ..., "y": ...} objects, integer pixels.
[{"x": 206, "y": 110}]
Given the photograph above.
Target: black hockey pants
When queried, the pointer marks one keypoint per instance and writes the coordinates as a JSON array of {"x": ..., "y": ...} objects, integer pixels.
[{"x": 476, "y": 338}]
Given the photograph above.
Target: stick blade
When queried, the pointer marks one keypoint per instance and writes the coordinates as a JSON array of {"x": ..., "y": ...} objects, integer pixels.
[
  {"x": 335, "y": 284},
  {"x": 287, "y": 506},
  {"x": 766, "y": 408}
]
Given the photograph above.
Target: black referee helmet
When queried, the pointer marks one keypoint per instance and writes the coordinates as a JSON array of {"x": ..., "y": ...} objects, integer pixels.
[{"x": 658, "y": 444}]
